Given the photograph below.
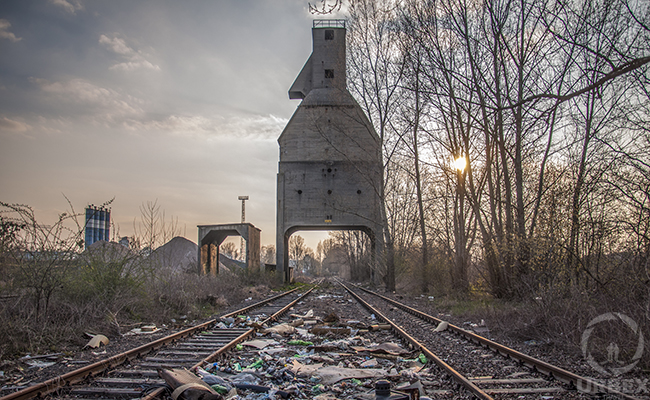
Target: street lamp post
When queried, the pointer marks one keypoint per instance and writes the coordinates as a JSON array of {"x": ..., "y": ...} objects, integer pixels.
[{"x": 243, "y": 219}]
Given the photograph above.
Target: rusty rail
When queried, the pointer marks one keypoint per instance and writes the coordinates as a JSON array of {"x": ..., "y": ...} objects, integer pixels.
[
  {"x": 581, "y": 383},
  {"x": 78, "y": 375},
  {"x": 458, "y": 377}
]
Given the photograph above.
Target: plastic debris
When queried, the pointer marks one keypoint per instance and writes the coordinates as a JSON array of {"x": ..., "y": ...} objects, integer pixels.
[
  {"x": 443, "y": 325},
  {"x": 259, "y": 343},
  {"x": 332, "y": 375},
  {"x": 39, "y": 363},
  {"x": 281, "y": 329},
  {"x": 96, "y": 341},
  {"x": 308, "y": 314},
  {"x": 384, "y": 348},
  {"x": 372, "y": 363},
  {"x": 300, "y": 343}
]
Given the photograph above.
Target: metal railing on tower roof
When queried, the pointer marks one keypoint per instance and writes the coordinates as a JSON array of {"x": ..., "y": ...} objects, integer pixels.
[{"x": 329, "y": 23}]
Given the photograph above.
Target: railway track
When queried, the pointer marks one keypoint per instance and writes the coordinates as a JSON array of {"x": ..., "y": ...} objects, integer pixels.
[
  {"x": 470, "y": 358},
  {"x": 466, "y": 365},
  {"x": 133, "y": 373}
]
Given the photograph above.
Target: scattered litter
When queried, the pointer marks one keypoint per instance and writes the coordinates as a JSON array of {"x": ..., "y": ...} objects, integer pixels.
[
  {"x": 214, "y": 380},
  {"x": 39, "y": 363},
  {"x": 372, "y": 363},
  {"x": 186, "y": 384},
  {"x": 96, "y": 341},
  {"x": 331, "y": 317},
  {"x": 385, "y": 348},
  {"x": 145, "y": 330},
  {"x": 411, "y": 388},
  {"x": 332, "y": 375},
  {"x": 443, "y": 325},
  {"x": 309, "y": 314},
  {"x": 50, "y": 356},
  {"x": 377, "y": 327},
  {"x": 260, "y": 343},
  {"x": 245, "y": 378},
  {"x": 324, "y": 330},
  {"x": 281, "y": 329},
  {"x": 300, "y": 343}
]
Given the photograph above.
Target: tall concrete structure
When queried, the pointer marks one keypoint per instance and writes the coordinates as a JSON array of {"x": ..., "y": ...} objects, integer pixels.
[{"x": 329, "y": 174}]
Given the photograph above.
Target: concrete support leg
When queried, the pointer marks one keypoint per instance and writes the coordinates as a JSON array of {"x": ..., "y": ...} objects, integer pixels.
[
  {"x": 214, "y": 259},
  {"x": 203, "y": 259}
]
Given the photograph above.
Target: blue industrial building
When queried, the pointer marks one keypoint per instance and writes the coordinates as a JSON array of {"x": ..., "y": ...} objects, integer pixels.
[{"x": 98, "y": 222}]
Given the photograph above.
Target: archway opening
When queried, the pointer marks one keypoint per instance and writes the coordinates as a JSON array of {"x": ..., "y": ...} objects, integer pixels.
[{"x": 345, "y": 253}]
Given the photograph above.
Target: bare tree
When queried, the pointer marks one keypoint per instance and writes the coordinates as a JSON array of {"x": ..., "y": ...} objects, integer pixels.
[{"x": 375, "y": 72}]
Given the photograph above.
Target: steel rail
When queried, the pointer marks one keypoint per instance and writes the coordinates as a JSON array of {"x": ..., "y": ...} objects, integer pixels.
[
  {"x": 159, "y": 391},
  {"x": 581, "y": 383},
  {"x": 78, "y": 375},
  {"x": 258, "y": 304},
  {"x": 243, "y": 336},
  {"x": 458, "y": 377}
]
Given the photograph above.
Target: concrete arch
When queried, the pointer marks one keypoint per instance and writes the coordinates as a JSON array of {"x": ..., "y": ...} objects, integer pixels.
[
  {"x": 376, "y": 244},
  {"x": 211, "y": 237}
]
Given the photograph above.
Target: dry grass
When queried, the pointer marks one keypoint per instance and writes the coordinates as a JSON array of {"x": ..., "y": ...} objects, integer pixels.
[{"x": 114, "y": 306}]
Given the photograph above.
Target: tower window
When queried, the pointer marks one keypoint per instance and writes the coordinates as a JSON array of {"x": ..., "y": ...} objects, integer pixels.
[
  {"x": 329, "y": 34},
  {"x": 329, "y": 73}
]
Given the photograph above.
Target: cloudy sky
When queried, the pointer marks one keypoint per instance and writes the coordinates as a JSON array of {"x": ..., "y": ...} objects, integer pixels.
[{"x": 179, "y": 102}]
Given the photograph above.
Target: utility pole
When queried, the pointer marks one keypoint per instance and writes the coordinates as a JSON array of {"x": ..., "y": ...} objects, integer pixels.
[{"x": 243, "y": 219}]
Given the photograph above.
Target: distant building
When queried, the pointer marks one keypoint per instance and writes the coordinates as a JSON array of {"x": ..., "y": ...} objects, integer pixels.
[{"x": 98, "y": 222}]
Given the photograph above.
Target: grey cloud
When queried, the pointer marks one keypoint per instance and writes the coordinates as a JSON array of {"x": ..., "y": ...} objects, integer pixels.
[
  {"x": 198, "y": 126},
  {"x": 4, "y": 31},
  {"x": 7, "y": 124},
  {"x": 69, "y": 6},
  {"x": 87, "y": 98},
  {"x": 134, "y": 59}
]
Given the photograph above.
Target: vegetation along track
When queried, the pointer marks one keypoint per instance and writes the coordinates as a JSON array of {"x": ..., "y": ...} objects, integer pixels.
[
  {"x": 134, "y": 373},
  {"x": 467, "y": 357}
]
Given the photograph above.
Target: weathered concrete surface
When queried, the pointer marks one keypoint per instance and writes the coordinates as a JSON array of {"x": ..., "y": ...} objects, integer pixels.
[
  {"x": 329, "y": 174},
  {"x": 211, "y": 237}
]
